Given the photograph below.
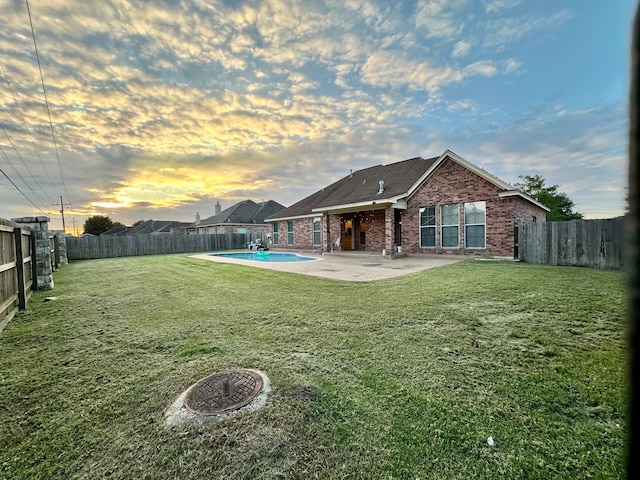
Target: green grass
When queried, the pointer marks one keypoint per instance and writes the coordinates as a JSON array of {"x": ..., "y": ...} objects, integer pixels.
[{"x": 403, "y": 378}]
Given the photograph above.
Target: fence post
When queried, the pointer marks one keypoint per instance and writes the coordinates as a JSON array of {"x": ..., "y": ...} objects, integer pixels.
[
  {"x": 22, "y": 291},
  {"x": 56, "y": 253},
  {"x": 34, "y": 266}
]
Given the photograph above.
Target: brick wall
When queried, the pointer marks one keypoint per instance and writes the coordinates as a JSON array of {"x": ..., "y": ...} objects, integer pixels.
[
  {"x": 526, "y": 212},
  {"x": 451, "y": 183},
  {"x": 302, "y": 234}
]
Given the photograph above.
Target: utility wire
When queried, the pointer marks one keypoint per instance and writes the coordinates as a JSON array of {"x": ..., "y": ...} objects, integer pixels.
[
  {"x": 8, "y": 160},
  {"x": 18, "y": 188},
  {"x": 23, "y": 162},
  {"x": 44, "y": 91},
  {"x": 24, "y": 122}
]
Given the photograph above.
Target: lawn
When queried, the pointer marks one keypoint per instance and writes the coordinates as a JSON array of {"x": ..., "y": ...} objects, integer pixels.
[{"x": 403, "y": 378}]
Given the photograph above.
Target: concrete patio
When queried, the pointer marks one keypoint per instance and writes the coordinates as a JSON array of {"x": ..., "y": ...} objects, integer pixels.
[{"x": 351, "y": 267}]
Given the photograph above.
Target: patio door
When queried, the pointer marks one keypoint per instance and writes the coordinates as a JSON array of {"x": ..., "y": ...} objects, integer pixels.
[{"x": 348, "y": 235}]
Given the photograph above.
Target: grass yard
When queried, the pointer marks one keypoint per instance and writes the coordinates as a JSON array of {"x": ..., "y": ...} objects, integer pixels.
[{"x": 397, "y": 379}]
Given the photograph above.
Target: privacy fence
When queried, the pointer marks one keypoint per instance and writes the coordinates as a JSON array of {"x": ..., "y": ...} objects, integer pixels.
[
  {"x": 28, "y": 256},
  {"x": 583, "y": 243},
  {"x": 89, "y": 247}
]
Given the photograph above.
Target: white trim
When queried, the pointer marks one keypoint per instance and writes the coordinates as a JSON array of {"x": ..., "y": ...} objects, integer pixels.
[
  {"x": 524, "y": 196},
  {"x": 296, "y": 217},
  {"x": 396, "y": 202},
  {"x": 468, "y": 165}
]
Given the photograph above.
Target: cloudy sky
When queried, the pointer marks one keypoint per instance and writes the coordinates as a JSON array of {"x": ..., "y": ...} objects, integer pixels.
[{"x": 160, "y": 109}]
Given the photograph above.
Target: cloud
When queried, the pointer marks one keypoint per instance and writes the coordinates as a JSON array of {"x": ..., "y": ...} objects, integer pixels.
[
  {"x": 502, "y": 33},
  {"x": 492, "y": 6},
  {"x": 164, "y": 106},
  {"x": 461, "y": 49},
  {"x": 440, "y": 18}
]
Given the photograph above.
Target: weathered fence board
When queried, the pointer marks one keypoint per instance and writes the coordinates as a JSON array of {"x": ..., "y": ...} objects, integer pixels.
[
  {"x": 583, "y": 243},
  {"x": 85, "y": 248},
  {"x": 15, "y": 270}
]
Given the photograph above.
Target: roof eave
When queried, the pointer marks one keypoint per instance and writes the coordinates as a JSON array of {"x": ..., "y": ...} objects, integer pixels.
[
  {"x": 524, "y": 196},
  {"x": 292, "y": 217},
  {"x": 468, "y": 165},
  {"x": 397, "y": 202}
]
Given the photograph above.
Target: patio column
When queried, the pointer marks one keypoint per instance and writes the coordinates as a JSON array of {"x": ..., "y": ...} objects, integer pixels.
[
  {"x": 326, "y": 233},
  {"x": 389, "y": 229}
]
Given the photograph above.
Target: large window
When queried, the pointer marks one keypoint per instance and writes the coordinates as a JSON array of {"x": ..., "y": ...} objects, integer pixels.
[
  {"x": 449, "y": 219},
  {"x": 290, "y": 232},
  {"x": 275, "y": 233},
  {"x": 428, "y": 226},
  {"x": 317, "y": 237},
  {"x": 475, "y": 215}
]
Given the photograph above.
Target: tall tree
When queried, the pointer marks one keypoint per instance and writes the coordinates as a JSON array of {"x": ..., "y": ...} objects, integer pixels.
[
  {"x": 98, "y": 224},
  {"x": 561, "y": 206}
]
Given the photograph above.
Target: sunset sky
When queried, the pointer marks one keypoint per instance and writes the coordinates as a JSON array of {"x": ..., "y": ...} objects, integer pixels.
[{"x": 160, "y": 109}]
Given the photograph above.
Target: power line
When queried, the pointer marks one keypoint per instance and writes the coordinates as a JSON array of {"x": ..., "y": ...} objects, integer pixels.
[
  {"x": 46, "y": 100},
  {"x": 23, "y": 162},
  {"x": 24, "y": 122},
  {"x": 18, "y": 188},
  {"x": 4, "y": 155}
]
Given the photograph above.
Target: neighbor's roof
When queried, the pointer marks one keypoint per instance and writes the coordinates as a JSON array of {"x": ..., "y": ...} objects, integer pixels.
[
  {"x": 245, "y": 212},
  {"x": 155, "y": 226},
  {"x": 361, "y": 189}
]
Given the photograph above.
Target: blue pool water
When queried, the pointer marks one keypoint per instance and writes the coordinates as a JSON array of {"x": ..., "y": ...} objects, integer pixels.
[{"x": 265, "y": 257}]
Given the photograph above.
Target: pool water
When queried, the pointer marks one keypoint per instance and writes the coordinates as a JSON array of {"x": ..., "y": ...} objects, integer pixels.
[{"x": 266, "y": 257}]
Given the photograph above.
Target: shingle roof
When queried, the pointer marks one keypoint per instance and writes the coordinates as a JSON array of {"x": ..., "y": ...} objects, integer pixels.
[
  {"x": 245, "y": 212},
  {"x": 363, "y": 186},
  {"x": 155, "y": 226}
]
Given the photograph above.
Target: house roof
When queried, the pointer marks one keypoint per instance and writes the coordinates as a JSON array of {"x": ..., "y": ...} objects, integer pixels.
[
  {"x": 116, "y": 231},
  {"x": 361, "y": 189},
  {"x": 361, "y": 186},
  {"x": 245, "y": 212},
  {"x": 155, "y": 226}
]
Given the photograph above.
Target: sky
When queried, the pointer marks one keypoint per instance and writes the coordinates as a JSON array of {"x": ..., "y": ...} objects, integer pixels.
[{"x": 160, "y": 109}]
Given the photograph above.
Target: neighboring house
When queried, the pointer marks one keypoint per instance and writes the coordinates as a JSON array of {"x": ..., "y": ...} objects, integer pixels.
[
  {"x": 154, "y": 227},
  {"x": 116, "y": 231},
  {"x": 443, "y": 204},
  {"x": 246, "y": 217}
]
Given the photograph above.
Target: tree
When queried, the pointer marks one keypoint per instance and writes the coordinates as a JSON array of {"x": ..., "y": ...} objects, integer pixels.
[
  {"x": 97, "y": 224},
  {"x": 139, "y": 222},
  {"x": 559, "y": 203}
]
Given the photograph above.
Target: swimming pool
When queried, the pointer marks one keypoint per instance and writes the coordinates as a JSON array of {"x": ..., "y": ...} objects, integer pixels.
[{"x": 269, "y": 257}]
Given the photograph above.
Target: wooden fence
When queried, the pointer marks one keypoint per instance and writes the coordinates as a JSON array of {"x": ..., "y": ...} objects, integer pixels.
[
  {"x": 583, "y": 243},
  {"x": 17, "y": 270},
  {"x": 85, "y": 248}
]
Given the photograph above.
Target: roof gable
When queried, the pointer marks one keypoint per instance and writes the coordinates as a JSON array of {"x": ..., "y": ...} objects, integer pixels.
[
  {"x": 362, "y": 186},
  {"x": 244, "y": 212},
  {"x": 401, "y": 180}
]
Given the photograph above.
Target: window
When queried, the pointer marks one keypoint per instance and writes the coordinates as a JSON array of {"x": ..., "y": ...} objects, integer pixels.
[
  {"x": 290, "y": 232},
  {"x": 449, "y": 215},
  {"x": 317, "y": 236},
  {"x": 275, "y": 233},
  {"x": 428, "y": 226},
  {"x": 475, "y": 218}
]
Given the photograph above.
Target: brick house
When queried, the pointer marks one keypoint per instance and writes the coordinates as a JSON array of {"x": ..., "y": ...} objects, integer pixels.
[
  {"x": 245, "y": 217},
  {"x": 442, "y": 204}
]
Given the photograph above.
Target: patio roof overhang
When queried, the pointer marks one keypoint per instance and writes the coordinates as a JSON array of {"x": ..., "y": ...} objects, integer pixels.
[{"x": 397, "y": 202}]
